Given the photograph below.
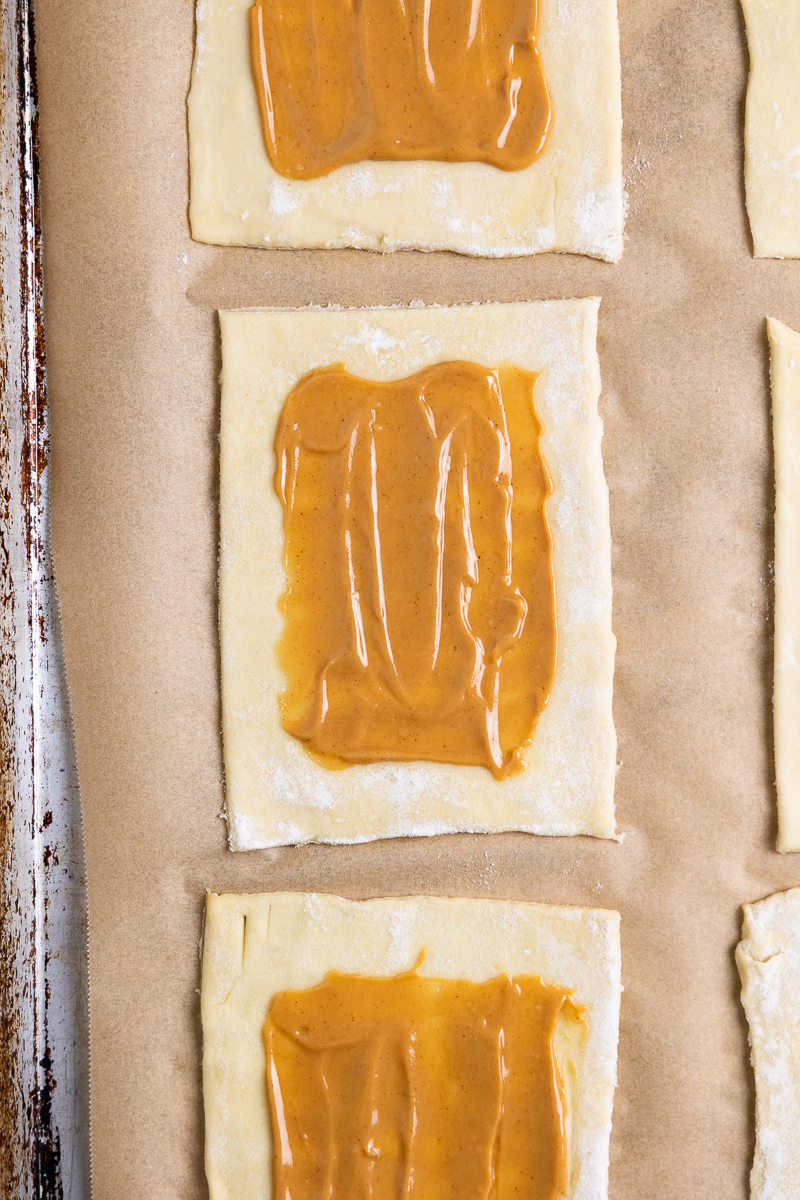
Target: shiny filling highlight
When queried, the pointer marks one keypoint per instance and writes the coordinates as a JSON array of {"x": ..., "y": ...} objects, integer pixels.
[
  {"x": 410, "y": 1086},
  {"x": 420, "y": 618},
  {"x": 341, "y": 81}
]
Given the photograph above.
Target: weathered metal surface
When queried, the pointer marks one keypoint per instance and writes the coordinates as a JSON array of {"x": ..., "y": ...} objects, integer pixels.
[{"x": 44, "y": 1137}]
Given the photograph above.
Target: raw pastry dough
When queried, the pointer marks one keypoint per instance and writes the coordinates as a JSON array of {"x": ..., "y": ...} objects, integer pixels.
[
  {"x": 276, "y": 793},
  {"x": 258, "y": 945},
  {"x": 772, "y": 127},
  {"x": 784, "y": 347},
  {"x": 570, "y": 199},
  {"x": 768, "y": 958}
]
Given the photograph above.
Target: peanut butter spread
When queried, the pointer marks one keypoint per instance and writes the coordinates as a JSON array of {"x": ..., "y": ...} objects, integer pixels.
[
  {"x": 340, "y": 81},
  {"x": 420, "y": 613},
  {"x": 404, "y": 1087}
]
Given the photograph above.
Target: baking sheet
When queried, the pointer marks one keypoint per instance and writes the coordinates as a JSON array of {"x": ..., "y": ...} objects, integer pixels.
[{"x": 133, "y": 357}]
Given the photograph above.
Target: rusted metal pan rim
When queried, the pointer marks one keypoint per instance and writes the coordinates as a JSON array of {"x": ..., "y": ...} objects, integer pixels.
[{"x": 44, "y": 1129}]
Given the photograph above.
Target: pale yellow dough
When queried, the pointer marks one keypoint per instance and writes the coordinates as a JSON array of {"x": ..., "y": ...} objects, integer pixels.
[
  {"x": 784, "y": 347},
  {"x": 276, "y": 793},
  {"x": 258, "y": 945},
  {"x": 772, "y": 127},
  {"x": 570, "y": 199},
  {"x": 768, "y": 958}
]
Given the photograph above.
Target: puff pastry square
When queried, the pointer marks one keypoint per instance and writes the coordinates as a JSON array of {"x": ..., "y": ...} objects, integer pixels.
[
  {"x": 276, "y": 793},
  {"x": 258, "y": 945},
  {"x": 772, "y": 127},
  {"x": 768, "y": 958},
  {"x": 570, "y": 199},
  {"x": 784, "y": 346}
]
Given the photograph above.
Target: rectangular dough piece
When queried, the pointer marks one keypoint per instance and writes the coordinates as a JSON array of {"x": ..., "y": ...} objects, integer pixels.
[
  {"x": 772, "y": 127},
  {"x": 258, "y": 945},
  {"x": 768, "y": 958},
  {"x": 570, "y": 199},
  {"x": 784, "y": 345},
  {"x": 276, "y": 793}
]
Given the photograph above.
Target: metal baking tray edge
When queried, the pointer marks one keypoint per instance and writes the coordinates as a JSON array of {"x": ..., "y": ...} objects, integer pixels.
[{"x": 44, "y": 1058}]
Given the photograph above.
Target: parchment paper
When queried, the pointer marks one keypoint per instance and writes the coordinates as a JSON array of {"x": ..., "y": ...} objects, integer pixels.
[{"x": 132, "y": 349}]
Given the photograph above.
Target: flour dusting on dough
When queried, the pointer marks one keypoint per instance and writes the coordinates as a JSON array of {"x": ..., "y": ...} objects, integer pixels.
[
  {"x": 281, "y": 200},
  {"x": 372, "y": 338}
]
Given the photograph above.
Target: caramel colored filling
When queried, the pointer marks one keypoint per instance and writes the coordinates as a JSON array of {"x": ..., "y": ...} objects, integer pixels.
[
  {"x": 420, "y": 614},
  {"x": 410, "y": 1086},
  {"x": 340, "y": 81}
]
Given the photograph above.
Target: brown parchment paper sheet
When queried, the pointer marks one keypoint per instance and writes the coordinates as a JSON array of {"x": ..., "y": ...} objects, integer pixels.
[{"x": 133, "y": 357}]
